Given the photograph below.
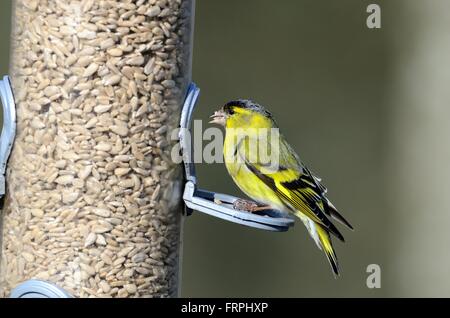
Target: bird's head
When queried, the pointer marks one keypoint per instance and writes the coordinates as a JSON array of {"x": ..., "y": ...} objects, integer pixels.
[{"x": 243, "y": 113}]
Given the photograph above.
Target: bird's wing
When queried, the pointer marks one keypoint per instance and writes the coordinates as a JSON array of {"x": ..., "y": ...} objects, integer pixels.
[
  {"x": 291, "y": 181},
  {"x": 329, "y": 208}
]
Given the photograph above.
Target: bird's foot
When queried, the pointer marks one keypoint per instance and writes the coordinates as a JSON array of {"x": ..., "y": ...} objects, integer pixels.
[{"x": 249, "y": 206}]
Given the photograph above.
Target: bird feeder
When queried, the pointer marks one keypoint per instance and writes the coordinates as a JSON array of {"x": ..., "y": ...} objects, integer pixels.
[{"x": 93, "y": 201}]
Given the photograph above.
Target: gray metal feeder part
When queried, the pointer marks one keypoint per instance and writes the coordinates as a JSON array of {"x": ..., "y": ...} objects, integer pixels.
[
  {"x": 9, "y": 128},
  {"x": 38, "y": 289}
]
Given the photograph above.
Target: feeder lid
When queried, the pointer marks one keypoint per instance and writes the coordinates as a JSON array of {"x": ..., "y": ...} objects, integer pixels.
[
  {"x": 9, "y": 128},
  {"x": 38, "y": 289},
  {"x": 207, "y": 201}
]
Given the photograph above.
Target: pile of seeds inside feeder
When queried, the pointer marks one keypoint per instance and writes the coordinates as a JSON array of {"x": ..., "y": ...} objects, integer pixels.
[{"x": 93, "y": 198}]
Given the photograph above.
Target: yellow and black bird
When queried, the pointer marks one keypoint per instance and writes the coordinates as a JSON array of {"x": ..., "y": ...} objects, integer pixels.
[{"x": 286, "y": 185}]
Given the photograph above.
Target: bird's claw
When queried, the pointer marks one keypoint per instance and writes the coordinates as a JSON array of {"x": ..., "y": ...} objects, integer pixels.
[{"x": 249, "y": 206}]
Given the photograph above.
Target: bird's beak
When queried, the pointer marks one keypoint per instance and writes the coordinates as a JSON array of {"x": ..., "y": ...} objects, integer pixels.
[{"x": 218, "y": 117}]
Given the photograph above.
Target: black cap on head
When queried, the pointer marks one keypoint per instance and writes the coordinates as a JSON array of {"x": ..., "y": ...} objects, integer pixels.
[{"x": 247, "y": 104}]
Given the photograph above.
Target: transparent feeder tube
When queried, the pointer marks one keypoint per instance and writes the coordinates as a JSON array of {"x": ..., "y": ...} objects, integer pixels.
[{"x": 93, "y": 202}]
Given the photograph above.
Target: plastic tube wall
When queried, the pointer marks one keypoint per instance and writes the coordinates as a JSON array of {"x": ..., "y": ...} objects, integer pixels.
[{"x": 93, "y": 200}]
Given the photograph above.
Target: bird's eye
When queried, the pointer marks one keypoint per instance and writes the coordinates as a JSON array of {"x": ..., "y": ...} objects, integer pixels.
[{"x": 228, "y": 109}]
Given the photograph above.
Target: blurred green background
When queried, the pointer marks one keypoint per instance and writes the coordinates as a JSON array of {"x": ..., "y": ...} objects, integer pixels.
[{"x": 332, "y": 86}]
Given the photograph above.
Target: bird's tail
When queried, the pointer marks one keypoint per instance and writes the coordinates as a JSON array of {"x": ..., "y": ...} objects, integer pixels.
[{"x": 327, "y": 247}]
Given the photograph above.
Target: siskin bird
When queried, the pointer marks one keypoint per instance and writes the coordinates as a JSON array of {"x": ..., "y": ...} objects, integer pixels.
[{"x": 288, "y": 185}]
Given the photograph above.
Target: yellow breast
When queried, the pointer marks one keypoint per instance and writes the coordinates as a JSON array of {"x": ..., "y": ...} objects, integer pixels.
[{"x": 246, "y": 180}]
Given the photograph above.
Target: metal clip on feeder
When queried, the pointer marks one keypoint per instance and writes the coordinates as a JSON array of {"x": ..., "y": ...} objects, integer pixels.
[
  {"x": 205, "y": 201},
  {"x": 9, "y": 128}
]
